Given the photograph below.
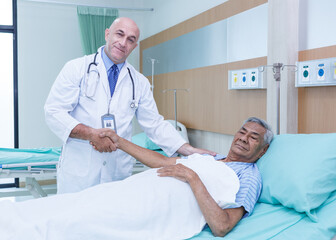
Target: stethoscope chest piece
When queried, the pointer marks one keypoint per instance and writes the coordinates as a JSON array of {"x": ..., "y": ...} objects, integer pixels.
[{"x": 133, "y": 104}]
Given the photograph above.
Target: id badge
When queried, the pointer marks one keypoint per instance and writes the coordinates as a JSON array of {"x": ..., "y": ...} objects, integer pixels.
[{"x": 108, "y": 121}]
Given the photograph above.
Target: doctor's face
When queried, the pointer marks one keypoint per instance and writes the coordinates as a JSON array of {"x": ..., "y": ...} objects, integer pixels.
[{"x": 121, "y": 38}]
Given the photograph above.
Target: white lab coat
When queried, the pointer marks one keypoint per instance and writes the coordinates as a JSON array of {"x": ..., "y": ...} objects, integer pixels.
[{"x": 67, "y": 105}]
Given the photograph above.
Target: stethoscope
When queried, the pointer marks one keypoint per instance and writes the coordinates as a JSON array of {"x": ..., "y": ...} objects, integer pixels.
[{"x": 133, "y": 102}]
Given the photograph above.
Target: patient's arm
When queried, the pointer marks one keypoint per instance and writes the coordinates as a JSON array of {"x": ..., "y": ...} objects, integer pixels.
[
  {"x": 149, "y": 158},
  {"x": 220, "y": 221}
]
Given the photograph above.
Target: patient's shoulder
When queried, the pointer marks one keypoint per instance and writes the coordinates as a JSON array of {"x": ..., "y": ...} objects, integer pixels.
[{"x": 243, "y": 168}]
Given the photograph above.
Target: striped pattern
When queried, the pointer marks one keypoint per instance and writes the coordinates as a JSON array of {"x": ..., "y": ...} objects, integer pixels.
[{"x": 250, "y": 184}]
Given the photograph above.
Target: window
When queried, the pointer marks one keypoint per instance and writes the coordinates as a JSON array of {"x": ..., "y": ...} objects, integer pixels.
[
  {"x": 6, "y": 10},
  {"x": 8, "y": 73},
  {"x": 8, "y": 80}
]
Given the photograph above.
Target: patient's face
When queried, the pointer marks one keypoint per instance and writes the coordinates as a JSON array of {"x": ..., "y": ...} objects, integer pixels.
[{"x": 248, "y": 143}]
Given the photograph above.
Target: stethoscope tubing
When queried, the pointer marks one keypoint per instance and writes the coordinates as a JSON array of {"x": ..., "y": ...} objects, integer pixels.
[
  {"x": 94, "y": 62},
  {"x": 129, "y": 72}
]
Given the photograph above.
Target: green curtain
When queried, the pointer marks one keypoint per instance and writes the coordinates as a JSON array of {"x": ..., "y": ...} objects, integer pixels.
[{"x": 92, "y": 23}]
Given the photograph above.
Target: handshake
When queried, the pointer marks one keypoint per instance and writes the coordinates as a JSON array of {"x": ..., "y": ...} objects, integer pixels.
[{"x": 104, "y": 140}]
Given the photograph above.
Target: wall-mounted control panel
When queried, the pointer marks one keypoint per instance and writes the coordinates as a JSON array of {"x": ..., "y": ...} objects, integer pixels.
[
  {"x": 250, "y": 78},
  {"x": 321, "y": 72}
]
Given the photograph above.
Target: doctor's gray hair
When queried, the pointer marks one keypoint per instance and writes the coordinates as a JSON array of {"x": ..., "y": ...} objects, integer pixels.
[{"x": 269, "y": 133}]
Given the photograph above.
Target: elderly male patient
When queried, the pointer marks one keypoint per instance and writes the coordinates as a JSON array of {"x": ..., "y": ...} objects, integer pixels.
[
  {"x": 249, "y": 144},
  {"x": 174, "y": 200}
]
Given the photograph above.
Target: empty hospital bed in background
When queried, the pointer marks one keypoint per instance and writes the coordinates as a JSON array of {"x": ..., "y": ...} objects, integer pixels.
[{"x": 29, "y": 164}]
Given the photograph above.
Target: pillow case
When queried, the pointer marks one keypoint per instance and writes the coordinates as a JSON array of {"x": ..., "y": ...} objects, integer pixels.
[
  {"x": 299, "y": 171},
  {"x": 142, "y": 140}
]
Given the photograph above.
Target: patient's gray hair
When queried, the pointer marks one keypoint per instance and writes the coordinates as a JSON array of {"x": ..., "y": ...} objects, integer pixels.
[{"x": 269, "y": 133}]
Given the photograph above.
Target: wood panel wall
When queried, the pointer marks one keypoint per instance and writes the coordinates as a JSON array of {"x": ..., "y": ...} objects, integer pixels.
[
  {"x": 209, "y": 105},
  {"x": 317, "y": 105}
]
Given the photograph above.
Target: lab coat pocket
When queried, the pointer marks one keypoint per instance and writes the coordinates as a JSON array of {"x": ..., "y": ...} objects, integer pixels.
[{"x": 76, "y": 157}]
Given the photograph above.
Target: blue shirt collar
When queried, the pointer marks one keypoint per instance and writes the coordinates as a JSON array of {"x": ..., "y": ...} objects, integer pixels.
[{"x": 108, "y": 62}]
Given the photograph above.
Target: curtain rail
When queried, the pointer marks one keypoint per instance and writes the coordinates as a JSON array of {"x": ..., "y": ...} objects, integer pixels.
[{"x": 89, "y": 5}]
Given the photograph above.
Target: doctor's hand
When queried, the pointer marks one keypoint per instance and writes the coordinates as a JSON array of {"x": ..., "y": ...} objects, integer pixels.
[
  {"x": 186, "y": 150},
  {"x": 178, "y": 171},
  {"x": 102, "y": 143}
]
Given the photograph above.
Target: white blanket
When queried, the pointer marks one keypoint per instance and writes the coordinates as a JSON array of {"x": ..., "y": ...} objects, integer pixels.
[{"x": 143, "y": 206}]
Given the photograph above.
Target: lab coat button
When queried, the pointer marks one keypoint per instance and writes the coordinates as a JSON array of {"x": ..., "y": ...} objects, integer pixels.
[{"x": 104, "y": 163}]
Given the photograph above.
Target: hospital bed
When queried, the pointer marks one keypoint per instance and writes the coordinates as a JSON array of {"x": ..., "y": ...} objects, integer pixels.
[
  {"x": 298, "y": 199},
  {"x": 30, "y": 164}
]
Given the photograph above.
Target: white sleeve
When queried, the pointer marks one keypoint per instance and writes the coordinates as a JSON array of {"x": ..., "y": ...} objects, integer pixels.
[
  {"x": 152, "y": 123},
  {"x": 62, "y": 100}
]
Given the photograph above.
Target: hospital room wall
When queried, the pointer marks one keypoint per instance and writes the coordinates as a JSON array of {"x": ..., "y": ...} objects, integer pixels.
[
  {"x": 209, "y": 109},
  {"x": 48, "y": 37},
  {"x": 315, "y": 105},
  {"x": 52, "y": 30}
]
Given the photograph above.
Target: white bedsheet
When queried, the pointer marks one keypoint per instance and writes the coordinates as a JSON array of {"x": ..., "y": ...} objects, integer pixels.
[{"x": 143, "y": 206}]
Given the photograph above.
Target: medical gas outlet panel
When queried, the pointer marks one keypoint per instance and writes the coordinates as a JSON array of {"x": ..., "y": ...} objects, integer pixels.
[
  {"x": 250, "y": 78},
  {"x": 321, "y": 72}
]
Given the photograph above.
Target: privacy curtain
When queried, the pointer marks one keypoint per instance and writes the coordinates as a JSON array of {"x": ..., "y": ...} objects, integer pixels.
[{"x": 92, "y": 23}]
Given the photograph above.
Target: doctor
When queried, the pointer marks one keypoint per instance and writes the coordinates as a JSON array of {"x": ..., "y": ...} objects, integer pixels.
[{"x": 99, "y": 91}]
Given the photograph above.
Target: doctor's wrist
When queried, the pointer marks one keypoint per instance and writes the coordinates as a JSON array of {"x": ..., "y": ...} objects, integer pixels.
[{"x": 82, "y": 131}]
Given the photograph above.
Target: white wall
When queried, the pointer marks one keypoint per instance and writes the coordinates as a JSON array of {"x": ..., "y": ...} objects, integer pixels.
[
  {"x": 247, "y": 29},
  {"x": 47, "y": 38},
  {"x": 317, "y": 20},
  {"x": 169, "y": 13}
]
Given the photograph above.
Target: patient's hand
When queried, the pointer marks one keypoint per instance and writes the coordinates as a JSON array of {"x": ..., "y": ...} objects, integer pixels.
[{"x": 178, "y": 171}]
